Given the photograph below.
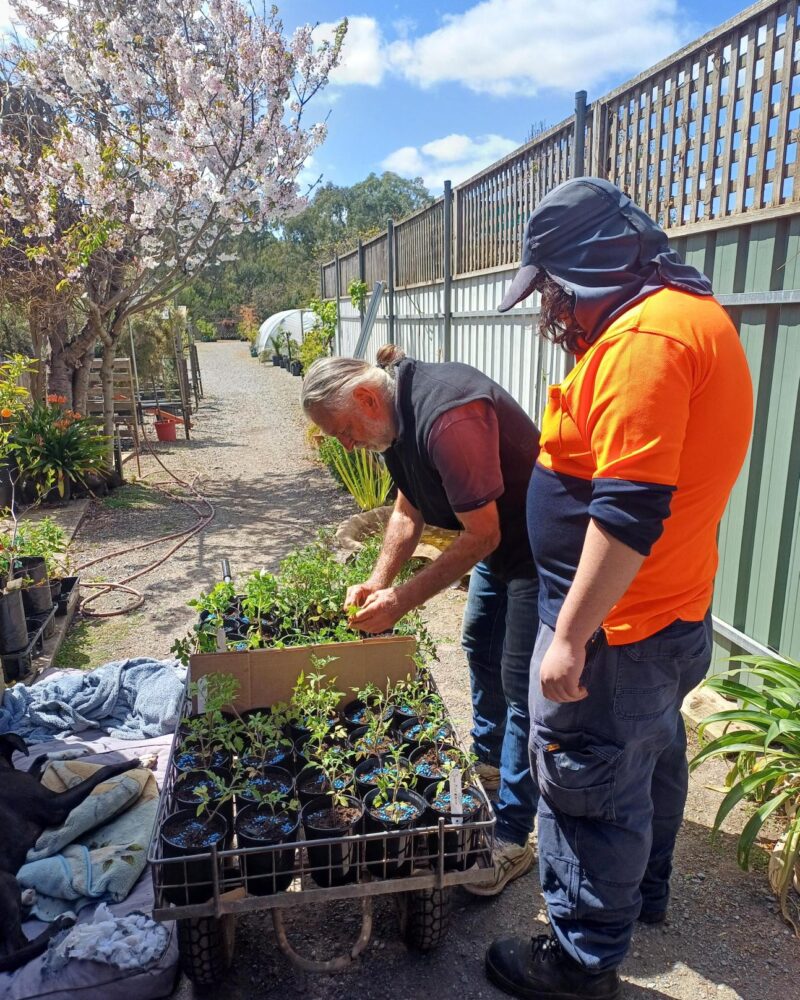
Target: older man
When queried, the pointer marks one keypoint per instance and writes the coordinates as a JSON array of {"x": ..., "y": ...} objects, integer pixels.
[
  {"x": 461, "y": 451},
  {"x": 640, "y": 447}
]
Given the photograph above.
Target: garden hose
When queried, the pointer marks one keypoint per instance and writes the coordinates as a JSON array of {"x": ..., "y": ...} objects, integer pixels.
[{"x": 203, "y": 519}]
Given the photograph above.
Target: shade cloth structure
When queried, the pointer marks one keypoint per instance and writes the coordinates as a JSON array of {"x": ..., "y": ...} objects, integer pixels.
[{"x": 295, "y": 322}]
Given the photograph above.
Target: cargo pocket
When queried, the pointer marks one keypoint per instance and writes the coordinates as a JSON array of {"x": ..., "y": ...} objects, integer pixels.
[{"x": 576, "y": 773}]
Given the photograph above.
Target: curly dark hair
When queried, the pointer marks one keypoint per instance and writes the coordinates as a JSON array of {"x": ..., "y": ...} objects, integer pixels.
[{"x": 556, "y": 319}]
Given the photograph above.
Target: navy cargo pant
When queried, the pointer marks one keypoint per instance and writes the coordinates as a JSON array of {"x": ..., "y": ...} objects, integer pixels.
[{"x": 613, "y": 778}]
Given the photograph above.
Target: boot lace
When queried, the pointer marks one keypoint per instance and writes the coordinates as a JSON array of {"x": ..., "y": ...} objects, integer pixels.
[{"x": 545, "y": 948}]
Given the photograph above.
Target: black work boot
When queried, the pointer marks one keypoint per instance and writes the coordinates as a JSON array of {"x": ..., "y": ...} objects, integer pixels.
[{"x": 539, "y": 969}]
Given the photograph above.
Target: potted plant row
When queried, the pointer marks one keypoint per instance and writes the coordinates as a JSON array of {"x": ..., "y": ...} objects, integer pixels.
[
  {"x": 307, "y": 770},
  {"x": 301, "y": 605},
  {"x": 31, "y": 574}
]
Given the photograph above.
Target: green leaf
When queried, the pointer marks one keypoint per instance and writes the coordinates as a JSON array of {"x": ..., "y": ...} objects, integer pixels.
[{"x": 754, "y": 824}]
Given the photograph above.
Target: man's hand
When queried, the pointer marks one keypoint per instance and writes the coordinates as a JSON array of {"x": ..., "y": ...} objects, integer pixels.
[
  {"x": 379, "y": 611},
  {"x": 358, "y": 593},
  {"x": 561, "y": 671}
]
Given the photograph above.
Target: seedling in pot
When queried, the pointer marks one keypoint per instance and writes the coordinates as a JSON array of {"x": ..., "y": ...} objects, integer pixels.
[
  {"x": 258, "y": 603},
  {"x": 212, "y": 794},
  {"x": 370, "y": 701},
  {"x": 414, "y": 699},
  {"x": 455, "y": 760},
  {"x": 392, "y": 779},
  {"x": 314, "y": 697},
  {"x": 432, "y": 728},
  {"x": 337, "y": 777},
  {"x": 210, "y": 730},
  {"x": 265, "y": 739},
  {"x": 213, "y": 607}
]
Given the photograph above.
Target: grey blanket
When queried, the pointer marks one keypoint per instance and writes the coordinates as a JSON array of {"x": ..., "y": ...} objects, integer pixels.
[{"x": 129, "y": 699}]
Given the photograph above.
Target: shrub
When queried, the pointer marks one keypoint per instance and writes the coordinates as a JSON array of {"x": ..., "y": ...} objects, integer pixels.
[
  {"x": 362, "y": 474},
  {"x": 51, "y": 445}
]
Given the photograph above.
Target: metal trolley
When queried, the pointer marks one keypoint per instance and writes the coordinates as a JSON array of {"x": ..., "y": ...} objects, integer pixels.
[{"x": 205, "y": 892}]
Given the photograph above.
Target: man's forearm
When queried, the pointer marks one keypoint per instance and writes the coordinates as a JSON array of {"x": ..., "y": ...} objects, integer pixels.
[
  {"x": 401, "y": 538},
  {"x": 606, "y": 569},
  {"x": 449, "y": 567}
]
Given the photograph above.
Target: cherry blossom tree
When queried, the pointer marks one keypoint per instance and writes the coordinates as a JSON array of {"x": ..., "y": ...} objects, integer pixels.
[{"x": 134, "y": 137}]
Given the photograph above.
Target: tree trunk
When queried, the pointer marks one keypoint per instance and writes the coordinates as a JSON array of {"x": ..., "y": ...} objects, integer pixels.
[
  {"x": 68, "y": 359},
  {"x": 80, "y": 383}
]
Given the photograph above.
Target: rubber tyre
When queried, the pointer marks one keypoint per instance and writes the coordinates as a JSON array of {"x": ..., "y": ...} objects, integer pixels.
[
  {"x": 206, "y": 947},
  {"x": 425, "y": 917}
]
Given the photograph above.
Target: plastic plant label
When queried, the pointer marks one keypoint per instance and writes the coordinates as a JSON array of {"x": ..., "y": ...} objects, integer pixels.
[
  {"x": 202, "y": 688},
  {"x": 221, "y": 643},
  {"x": 456, "y": 800}
]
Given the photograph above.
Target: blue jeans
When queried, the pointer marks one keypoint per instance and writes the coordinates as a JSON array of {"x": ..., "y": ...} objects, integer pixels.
[
  {"x": 499, "y": 631},
  {"x": 613, "y": 777}
]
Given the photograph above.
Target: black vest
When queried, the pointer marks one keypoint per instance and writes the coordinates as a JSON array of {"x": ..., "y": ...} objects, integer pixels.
[{"x": 424, "y": 393}]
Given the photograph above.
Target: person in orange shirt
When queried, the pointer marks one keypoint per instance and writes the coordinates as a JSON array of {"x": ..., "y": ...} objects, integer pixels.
[{"x": 640, "y": 447}]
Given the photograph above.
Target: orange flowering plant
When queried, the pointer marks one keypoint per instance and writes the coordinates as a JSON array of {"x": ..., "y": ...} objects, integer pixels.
[{"x": 53, "y": 445}]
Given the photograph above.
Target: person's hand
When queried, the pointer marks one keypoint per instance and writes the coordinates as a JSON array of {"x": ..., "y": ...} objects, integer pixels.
[
  {"x": 358, "y": 593},
  {"x": 561, "y": 671},
  {"x": 379, "y": 612}
]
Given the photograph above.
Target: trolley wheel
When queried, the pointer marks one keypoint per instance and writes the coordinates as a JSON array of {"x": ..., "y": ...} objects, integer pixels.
[
  {"x": 206, "y": 947},
  {"x": 424, "y": 917}
]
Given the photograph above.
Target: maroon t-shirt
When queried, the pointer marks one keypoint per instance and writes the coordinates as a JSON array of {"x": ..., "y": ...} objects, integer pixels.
[{"x": 464, "y": 444}]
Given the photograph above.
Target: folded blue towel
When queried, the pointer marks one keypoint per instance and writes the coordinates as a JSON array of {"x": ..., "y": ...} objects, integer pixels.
[{"x": 129, "y": 699}]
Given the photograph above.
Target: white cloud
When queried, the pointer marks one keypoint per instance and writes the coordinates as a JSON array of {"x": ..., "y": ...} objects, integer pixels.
[
  {"x": 453, "y": 157},
  {"x": 517, "y": 47},
  {"x": 364, "y": 58}
]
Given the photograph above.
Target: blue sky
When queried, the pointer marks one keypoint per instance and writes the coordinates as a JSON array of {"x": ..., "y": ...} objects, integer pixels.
[{"x": 441, "y": 90}]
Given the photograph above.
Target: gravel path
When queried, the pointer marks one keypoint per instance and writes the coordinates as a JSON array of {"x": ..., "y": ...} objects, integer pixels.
[{"x": 724, "y": 938}]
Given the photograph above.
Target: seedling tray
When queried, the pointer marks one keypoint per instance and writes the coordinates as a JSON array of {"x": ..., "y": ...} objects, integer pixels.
[
  {"x": 421, "y": 892},
  {"x": 18, "y": 665}
]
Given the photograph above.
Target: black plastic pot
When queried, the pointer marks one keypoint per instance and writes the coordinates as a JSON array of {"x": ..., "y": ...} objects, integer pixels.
[
  {"x": 185, "y": 797},
  {"x": 336, "y": 863},
  {"x": 267, "y": 779},
  {"x": 365, "y": 773},
  {"x": 393, "y": 857},
  {"x": 296, "y": 368},
  {"x": 272, "y": 871},
  {"x": 404, "y": 712},
  {"x": 461, "y": 846},
  {"x": 310, "y": 784},
  {"x": 276, "y": 360},
  {"x": 68, "y": 585},
  {"x": 279, "y": 756},
  {"x": 184, "y": 834},
  {"x": 189, "y": 759},
  {"x": 36, "y": 597},
  {"x": 411, "y": 729},
  {"x": 55, "y": 589},
  {"x": 13, "y": 627},
  {"x": 356, "y": 735},
  {"x": 424, "y": 774},
  {"x": 352, "y": 714},
  {"x": 53, "y": 495}
]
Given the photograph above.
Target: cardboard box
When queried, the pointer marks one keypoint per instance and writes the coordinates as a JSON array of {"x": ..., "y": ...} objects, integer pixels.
[{"x": 268, "y": 675}]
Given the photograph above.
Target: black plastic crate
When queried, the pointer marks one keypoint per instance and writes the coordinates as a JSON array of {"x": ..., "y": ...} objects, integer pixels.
[{"x": 17, "y": 666}]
